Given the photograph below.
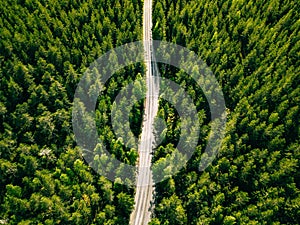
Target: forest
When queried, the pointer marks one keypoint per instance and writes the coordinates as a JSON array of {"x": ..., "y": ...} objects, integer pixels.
[
  {"x": 253, "y": 49},
  {"x": 45, "y": 48}
]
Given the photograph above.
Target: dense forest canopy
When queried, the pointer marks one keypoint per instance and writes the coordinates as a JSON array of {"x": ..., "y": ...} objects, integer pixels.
[
  {"x": 252, "y": 47},
  {"x": 45, "y": 48}
]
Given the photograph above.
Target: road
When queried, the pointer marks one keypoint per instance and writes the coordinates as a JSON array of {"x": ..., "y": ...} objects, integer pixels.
[{"x": 144, "y": 191}]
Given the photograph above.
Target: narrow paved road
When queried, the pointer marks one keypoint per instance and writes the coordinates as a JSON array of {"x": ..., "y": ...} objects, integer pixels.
[{"x": 144, "y": 191}]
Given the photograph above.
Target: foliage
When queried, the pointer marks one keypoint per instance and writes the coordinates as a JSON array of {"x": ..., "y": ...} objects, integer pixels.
[
  {"x": 253, "y": 49},
  {"x": 45, "y": 48}
]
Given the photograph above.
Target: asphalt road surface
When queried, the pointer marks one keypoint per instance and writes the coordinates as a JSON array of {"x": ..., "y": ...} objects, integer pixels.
[{"x": 144, "y": 191}]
